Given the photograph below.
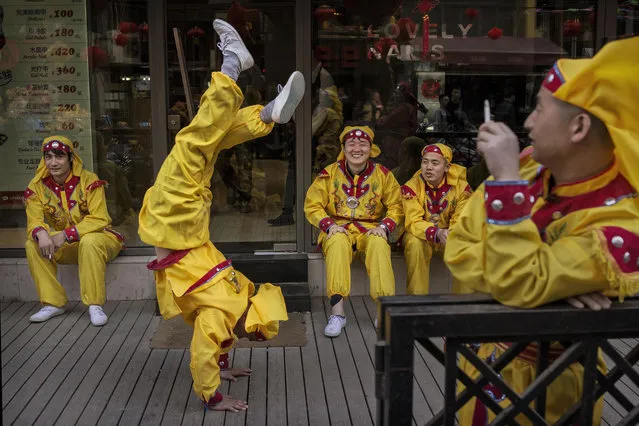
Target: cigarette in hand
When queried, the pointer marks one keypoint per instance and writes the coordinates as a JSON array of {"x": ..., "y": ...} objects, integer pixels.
[{"x": 486, "y": 111}]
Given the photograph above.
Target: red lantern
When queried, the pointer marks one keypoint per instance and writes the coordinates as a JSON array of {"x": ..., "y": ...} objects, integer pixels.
[
  {"x": 495, "y": 33},
  {"x": 426, "y": 6},
  {"x": 472, "y": 13},
  {"x": 572, "y": 28},
  {"x": 195, "y": 32},
  {"x": 407, "y": 28},
  {"x": 144, "y": 28},
  {"x": 324, "y": 13},
  {"x": 122, "y": 39},
  {"x": 128, "y": 27},
  {"x": 96, "y": 57}
]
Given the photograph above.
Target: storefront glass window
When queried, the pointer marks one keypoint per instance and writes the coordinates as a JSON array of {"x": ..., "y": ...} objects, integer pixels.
[{"x": 81, "y": 70}]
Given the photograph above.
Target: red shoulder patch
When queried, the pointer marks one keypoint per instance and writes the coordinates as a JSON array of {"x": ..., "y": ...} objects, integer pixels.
[
  {"x": 323, "y": 174},
  {"x": 468, "y": 189},
  {"x": 27, "y": 193},
  {"x": 383, "y": 169},
  {"x": 407, "y": 192},
  {"x": 623, "y": 246},
  {"x": 97, "y": 184}
]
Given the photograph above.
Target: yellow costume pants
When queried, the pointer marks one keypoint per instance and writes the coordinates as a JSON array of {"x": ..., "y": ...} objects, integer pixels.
[
  {"x": 418, "y": 254},
  {"x": 374, "y": 251},
  {"x": 91, "y": 254},
  {"x": 562, "y": 394},
  {"x": 177, "y": 208},
  {"x": 201, "y": 285}
]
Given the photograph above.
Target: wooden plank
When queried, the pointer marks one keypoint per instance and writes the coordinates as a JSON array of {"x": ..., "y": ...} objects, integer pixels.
[
  {"x": 239, "y": 389},
  {"x": 107, "y": 342},
  {"x": 139, "y": 398},
  {"x": 313, "y": 380},
  {"x": 256, "y": 414},
  {"x": 180, "y": 392},
  {"x": 276, "y": 385},
  {"x": 295, "y": 393},
  {"x": 126, "y": 382},
  {"x": 194, "y": 413},
  {"x": 366, "y": 325},
  {"x": 76, "y": 361},
  {"x": 17, "y": 330},
  {"x": 335, "y": 398},
  {"x": 355, "y": 399},
  {"x": 162, "y": 389},
  {"x": 30, "y": 378},
  {"x": 29, "y": 341},
  {"x": 18, "y": 316},
  {"x": 4, "y": 305},
  {"x": 109, "y": 365},
  {"x": 9, "y": 310},
  {"x": 212, "y": 417}
]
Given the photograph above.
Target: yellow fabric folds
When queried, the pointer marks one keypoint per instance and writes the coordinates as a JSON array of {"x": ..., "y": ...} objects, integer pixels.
[{"x": 266, "y": 310}]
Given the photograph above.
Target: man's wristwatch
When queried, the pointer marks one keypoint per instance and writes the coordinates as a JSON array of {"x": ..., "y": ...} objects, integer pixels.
[{"x": 385, "y": 228}]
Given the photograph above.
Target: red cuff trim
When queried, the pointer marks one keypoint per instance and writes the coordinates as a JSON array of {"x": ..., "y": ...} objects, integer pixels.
[
  {"x": 27, "y": 193},
  {"x": 390, "y": 224},
  {"x": 507, "y": 202},
  {"x": 34, "y": 233},
  {"x": 431, "y": 233},
  {"x": 215, "y": 399},
  {"x": 326, "y": 223},
  {"x": 623, "y": 246},
  {"x": 96, "y": 184},
  {"x": 72, "y": 234},
  {"x": 223, "y": 361},
  {"x": 171, "y": 259},
  {"x": 259, "y": 336}
]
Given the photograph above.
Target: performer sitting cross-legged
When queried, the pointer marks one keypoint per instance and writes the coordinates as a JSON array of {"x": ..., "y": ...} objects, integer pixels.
[{"x": 192, "y": 277}]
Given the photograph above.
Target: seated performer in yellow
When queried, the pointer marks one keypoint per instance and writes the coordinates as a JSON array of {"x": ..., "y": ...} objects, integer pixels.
[
  {"x": 356, "y": 203},
  {"x": 192, "y": 277},
  {"x": 68, "y": 222},
  {"x": 433, "y": 200},
  {"x": 562, "y": 222}
]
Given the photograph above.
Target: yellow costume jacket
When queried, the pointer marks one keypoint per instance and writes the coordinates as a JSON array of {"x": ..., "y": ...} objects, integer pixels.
[
  {"x": 358, "y": 203},
  {"x": 527, "y": 244},
  {"x": 428, "y": 209}
]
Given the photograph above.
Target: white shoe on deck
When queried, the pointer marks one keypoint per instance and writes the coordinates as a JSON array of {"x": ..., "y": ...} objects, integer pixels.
[
  {"x": 334, "y": 326},
  {"x": 45, "y": 313},
  {"x": 98, "y": 317}
]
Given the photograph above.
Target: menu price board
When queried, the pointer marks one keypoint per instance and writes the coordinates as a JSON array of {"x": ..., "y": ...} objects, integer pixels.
[{"x": 44, "y": 87}]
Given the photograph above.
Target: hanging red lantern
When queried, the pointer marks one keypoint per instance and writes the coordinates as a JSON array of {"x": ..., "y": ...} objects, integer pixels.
[
  {"x": 126, "y": 27},
  {"x": 495, "y": 33},
  {"x": 572, "y": 28},
  {"x": 426, "y": 6},
  {"x": 472, "y": 13},
  {"x": 407, "y": 29},
  {"x": 324, "y": 13},
  {"x": 144, "y": 28},
  {"x": 122, "y": 39},
  {"x": 195, "y": 32}
]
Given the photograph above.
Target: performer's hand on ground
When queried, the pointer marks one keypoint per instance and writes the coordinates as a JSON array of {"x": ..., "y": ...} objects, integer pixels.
[
  {"x": 58, "y": 240},
  {"x": 442, "y": 236},
  {"x": 233, "y": 373},
  {"x": 594, "y": 301},
  {"x": 334, "y": 230},
  {"x": 230, "y": 404},
  {"x": 46, "y": 245},
  {"x": 500, "y": 147},
  {"x": 379, "y": 231}
]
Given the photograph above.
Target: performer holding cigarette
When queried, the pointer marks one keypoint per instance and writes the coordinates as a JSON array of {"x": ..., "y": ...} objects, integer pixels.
[
  {"x": 561, "y": 220},
  {"x": 68, "y": 222},
  {"x": 193, "y": 279}
]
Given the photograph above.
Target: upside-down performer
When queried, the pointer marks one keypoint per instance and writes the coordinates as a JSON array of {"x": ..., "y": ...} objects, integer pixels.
[
  {"x": 192, "y": 277},
  {"x": 561, "y": 221}
]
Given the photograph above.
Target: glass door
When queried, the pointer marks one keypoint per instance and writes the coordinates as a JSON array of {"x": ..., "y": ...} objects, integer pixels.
[{"x": 254, "y": 183}]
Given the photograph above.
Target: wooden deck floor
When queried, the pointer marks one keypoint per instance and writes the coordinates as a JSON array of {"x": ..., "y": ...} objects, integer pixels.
[{"x": 67, "y": 372}]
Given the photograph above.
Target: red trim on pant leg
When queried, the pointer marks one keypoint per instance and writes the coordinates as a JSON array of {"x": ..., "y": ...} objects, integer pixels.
[
  {"x": 223, "y": 361},
  {"x": 215, "y": 399},
  {"x": 480, "y": 415}
]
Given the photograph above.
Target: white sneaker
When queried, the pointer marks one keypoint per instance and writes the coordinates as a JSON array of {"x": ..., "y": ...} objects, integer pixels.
[
  {"x": 288, "y": 99},
  {"x": 98, "y": 317},
  {"x": 230, "y": 41},
  {"x": 45, "y": 313},
  {"x": 334, "y": 326}
]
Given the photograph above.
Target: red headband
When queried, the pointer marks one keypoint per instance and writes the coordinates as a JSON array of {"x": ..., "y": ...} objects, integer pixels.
[
  {"x": 357, "y": 134},
  {"x": 432, "y": 148},
  {"x": 553, "y": 79},
  {"x": 56, "y": 144}
]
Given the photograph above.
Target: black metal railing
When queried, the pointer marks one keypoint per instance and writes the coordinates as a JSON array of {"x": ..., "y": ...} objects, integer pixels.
[{"x": 468, "y": 319}]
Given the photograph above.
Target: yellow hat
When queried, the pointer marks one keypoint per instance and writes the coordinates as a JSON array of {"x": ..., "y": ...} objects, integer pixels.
[
  {"x": 359, "y": 132},
  {"x": 455, "y": 171},
  {"x": 59, "y": 143},
  {"x": 606, "y": 86}
]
